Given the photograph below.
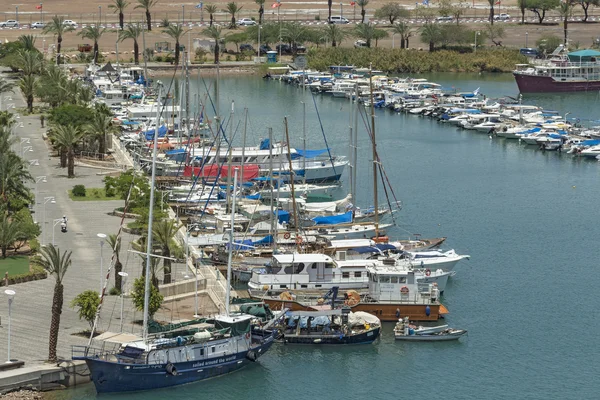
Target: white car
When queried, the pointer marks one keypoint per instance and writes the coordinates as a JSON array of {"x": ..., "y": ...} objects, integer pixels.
[
  {"x": 69, "y": 22},
  {"x": 11, "y": 23},
  {"x": 501, "y": 17},
  {"x": 38, "y": 25},
  {"x": 246, "y": 22},
  {"x": 445, "y": 18}
]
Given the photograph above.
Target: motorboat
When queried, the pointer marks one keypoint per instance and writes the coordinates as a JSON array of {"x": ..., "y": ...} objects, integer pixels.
[{"x": 405, "y": 331}]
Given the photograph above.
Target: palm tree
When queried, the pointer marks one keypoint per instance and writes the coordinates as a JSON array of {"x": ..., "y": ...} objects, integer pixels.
[
  {"x": 379, "y": 34},
  {"x": 430, "y": 33},
  {"x": 329, "y": 5},
  {"x": 164, "y": 232},
  {"x": 404, "y": 31},
  {"x": 176, "y": 32},
  {"x": 365, "y": 32},
  {"x": 100, "y": 127},
  {"x": 114, "y": 242},
  {"x": 491, "y": 17},
  {"x": 57, "y": 27},
  {"x": 28, "y": 85},
  {"x": 13, "y": 173},
  {"x": 140, "y": 246},
  {"x": 294, "y": 34},
  {"x": 334, "y": 34},
  {"x": 5, "y": 86},
  {"x": 30, "y": 62},
  {"x": 565, "y": 11},
  {"x": 211, "y": 9},
  {"x": 362, "y": 4},
  {"x": 214, "y": 33},
  {"x": 147, "y": 5},
  {"x": 132, "y": 32},
  {"x": 261, "y": 10},
  {"x": 28, "y": 42},
  {"x": 93, "y": 32},
  {"x": 120, "y": 6},
  {"x": 57, "y": 265},
  {"x": 66, "y": 138},
  {"x": 10, "y": 231},
  {"x": 232, "y": 8},
  {"x": 522, "y": 4}
]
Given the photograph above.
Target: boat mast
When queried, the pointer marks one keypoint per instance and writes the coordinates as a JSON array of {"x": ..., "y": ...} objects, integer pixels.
[
  {"x": 374, "y": 146},
  {"x": 287, "y": 139},
  {"x": 244, "y": 143},
  {"x": 230, "y": 157},
  {"x": 271, "y": 188},
  {"x": 228, "y": 291},
  {"x": 304, "y": 141},
  {"x": 355, "y": 145},
  {"x": 350, "y": 153},
  {"x": 145, "y": 60},
  {"x": 150, "y": 216},
  {"x": 186, "y": 56}
]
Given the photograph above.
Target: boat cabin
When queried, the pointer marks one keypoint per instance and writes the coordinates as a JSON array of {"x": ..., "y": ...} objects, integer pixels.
[{"x": 387, "y": 283}]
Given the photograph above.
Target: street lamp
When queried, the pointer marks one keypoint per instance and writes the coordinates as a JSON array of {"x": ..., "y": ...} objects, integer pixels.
[
  {"x": 38, "y": 179},
  {"x": 477, "y": 33},
  {"x": 341, "y": 9},
  {"x": 102, "y": 237},
  {"x": 23, "y": 140},
  {"x": 196, "y": 228},
  {"x": 183, "y": 14},
  {"x": 124, "y": 276},
  {"x": 11, "y": 296},
  {"x": 52, "y": 200},
  {"x": 99, "y": 15},
  {"x": 393, "y": 35},
  {"x": 526, "y": 39},
  {"x": 259, "y": 29}
]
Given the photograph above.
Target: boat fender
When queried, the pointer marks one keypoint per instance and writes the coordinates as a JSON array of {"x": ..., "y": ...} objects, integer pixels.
[
  {"x": 251, "y": 355},
  {"x": 428, "y": 311},
  {"x": 397, "y": 313},
  {"x": 180, "y": 340},
  {"x": 171, "y": 370},
  {"x": 286, "y": 235},
  {"x": 427, "y": 272}
]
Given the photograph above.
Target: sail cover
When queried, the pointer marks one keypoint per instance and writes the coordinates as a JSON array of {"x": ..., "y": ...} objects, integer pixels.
[
  {"x": 162, "y": 131},
  {"x": 308, "y": 153},
  {"x": 334, "y": 219},
  {"x": 211, "y": 171}
]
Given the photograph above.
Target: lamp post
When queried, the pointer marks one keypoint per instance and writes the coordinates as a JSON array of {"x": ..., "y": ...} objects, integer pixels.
[
  {"x": 196, "y": 228},
  {"x": 341, "y": 9},
  {"x": 259, "y": 29},
  {"x": 526, "y": 39},
  {"x": 183, "y": 14},
  {"x": 99, "y": 15},
  {"x": 476, "y": 34},
  {"x": 102, "y": 236},
  {"x": 54, "y": 223},
  {"x": 11, "y": 296},
  {"x": 17, "y": 13},
  {"x": 38, "y": 179},
  {"x": 41, "y": 14},
  {"x": 52, "y": 200},
  {"x": 23, "y": 140},
  {"x": 393, "y": 43},
  {"x": 124, "y": 276}
]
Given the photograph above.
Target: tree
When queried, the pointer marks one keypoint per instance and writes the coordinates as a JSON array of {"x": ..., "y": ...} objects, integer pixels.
[
  {"x": 214, "y": 33},
  {"x": 405, "y": 32},
  {"x": 13, "y": 175},
  {"x": 365, "y": 32},
  {"x": 29, "y": 229},
  {"x": 176, "y": 32},
  {"x": 57, "y": 27},
  {"x": 66, "y": 138},
  {"x": 28, "y": 85},
  {"x": 392, "y": 11},
  {"x": 88, "y": 303},
  {"x": 427, "y": 14},
  {"x": 120, "y": 6},
  {"x": 547, "y": 43},
  {"x": 5, "y": 86},
  {"x": 329, "y": 5},
  {"x": 147, "y": 5},
  {"x": 10, "y": 231},
  {"x": 137, "y": 295},
  {"x": 114, "y": 242},
  {"x": 93, "y": 32},
  {"x": 522, "y": 4},
  {"x": 334, "y": 34},
  {"x": 539, "y": 7},
  {"x": 261, "y": 10},
  {"x": 164, "y": 232},
  {"x": 30, "y": 62},
  {"x": 71, "y": 114},
  {"x": 295, "y": 34},
  {"x": 565, "y": 10},
  {"x": 56, "y": 264},
  {"x": 232, "y": 9},
  {"x": 132, "y": 32},
  {"x": 28, "y": 42},
  {"x": 100, "y": 127},
  {"x": 237, "y": 39},
  {"x": 211, "y": 9},
  {"x": 431, "y": 33},
  {"x": 379, "y": 34},
  {"x": 495, "y": 32},
  {"x": 585, "y": 5},
  {"x": 362, "y": 4},
  {"x": 491, "y": 17}
]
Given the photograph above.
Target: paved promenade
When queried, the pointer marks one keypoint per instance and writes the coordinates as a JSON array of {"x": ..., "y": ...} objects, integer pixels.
[{"x": 31, "y": 308}]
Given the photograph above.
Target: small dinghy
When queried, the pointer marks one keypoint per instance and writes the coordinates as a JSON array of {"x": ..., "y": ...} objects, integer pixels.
[{"x": 404, "y": 331}]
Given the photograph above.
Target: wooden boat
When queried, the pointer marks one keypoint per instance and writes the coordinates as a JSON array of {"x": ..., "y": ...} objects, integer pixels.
[{"x": 404, "y": 331}]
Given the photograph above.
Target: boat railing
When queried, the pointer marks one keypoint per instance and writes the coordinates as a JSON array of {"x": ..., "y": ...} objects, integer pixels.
[{"x": 83, "y": 352}]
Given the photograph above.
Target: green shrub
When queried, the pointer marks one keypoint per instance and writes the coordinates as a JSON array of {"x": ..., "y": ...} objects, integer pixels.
[
  {"x": 87, "y": 302},
  {"x": 114, "y": 291},
  {"x": 78, "y": 191},
  {"x": 34, "y": 245},
  {"x": 158, "y": 58}
]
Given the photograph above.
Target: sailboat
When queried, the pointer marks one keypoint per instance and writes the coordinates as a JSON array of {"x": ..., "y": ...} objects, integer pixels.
[{"x": 180, "y": 356}]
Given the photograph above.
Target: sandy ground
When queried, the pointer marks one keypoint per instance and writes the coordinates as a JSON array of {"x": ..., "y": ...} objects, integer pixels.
[{"x": 516, "y": 35}]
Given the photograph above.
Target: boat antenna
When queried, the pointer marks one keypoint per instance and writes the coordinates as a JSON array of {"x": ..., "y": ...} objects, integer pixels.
[
  {"x": 230, "y": 253},
  {"x": 374, "y": 146},
  {"x": 287, "y": 139}
]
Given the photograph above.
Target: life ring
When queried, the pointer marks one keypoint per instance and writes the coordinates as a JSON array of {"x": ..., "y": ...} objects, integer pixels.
[
  {"x": 404, "y": 289},
  {"x": 286, "y": 235},
  {"x": 427, "y": 272},
  {"x": 298, "y": 239}
]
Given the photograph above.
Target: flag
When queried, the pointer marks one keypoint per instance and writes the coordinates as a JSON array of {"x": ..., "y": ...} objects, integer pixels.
[
  {"x": 352, "y": 3},
  {"x": 275, "y": 5},
  {"x": 199, "y": 5},
  {"x": 38, "y": 7},
  {"x": 498, "y": 3}
]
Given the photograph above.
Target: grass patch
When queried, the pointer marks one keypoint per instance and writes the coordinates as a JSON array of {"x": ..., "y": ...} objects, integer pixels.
[
  {"x": 15, "y": 265},
  {"x": 92, "y": 194}
]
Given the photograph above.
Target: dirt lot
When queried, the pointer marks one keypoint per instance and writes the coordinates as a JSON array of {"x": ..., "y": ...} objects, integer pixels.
[{"x": 83, "y": 12}]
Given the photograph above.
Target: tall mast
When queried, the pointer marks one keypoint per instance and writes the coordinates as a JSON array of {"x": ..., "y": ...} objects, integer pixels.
[
  {"x": 287, "y": 139},
  {"x": 230, "y": 158},
  {"x": 150, "y": 216},
  {"x": 244, "y": 144},
  {"x": 144, "y": 55},
  {"x": 350, "y": 153},
  {"x": 187, "y": 91},
  {"x": 355, "y": 148},
  {"x": 374, "y": 145},
  {"x": 304, "y": 141},
  {"x": 273, "y": 219},
  {"x": 228, "y": 292}
]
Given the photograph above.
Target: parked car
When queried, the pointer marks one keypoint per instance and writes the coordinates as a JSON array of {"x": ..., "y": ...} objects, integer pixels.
[
  {"x": 246, "y": 22},
  {"x": 338, "y": 20},
  {"x": 38, "y": 25},
  {"x": 264, "y": 48},
  {"x": 11, "y": 23},
  {"x": 84, "y": 48},
  {"x": 445, "y": 18},
  {"x": 529, "y": 52},
  {"x": 283, "y": 49},
  {"x": 246, "y": 48},
  {"x": 501, "y": 17},
  {"x": 69, "y": 22},
  {"x": 360, "y": 43}
]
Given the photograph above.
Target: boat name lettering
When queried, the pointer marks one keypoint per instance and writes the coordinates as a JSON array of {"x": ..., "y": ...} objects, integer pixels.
[{"x": 213, "y": 362}]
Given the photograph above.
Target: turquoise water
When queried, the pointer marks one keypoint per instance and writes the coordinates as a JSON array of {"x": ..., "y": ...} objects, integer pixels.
[{"x": 528, "y": 296}]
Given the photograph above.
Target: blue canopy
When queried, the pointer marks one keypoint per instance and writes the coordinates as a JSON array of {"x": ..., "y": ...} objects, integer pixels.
[
  {"x": 374, "y": 249},
  {"x": 282, "y": 216},
  {"x": 265, "y": 144},
  {"x": 129, "y": 123},
  {"x": 334, "y": 219},
  {"x": 308, "y": 153},
  {"x": 242, "y": 245},
  {"x": 267, "y": 240},
  {"x": 162, "y": 131},
  {"x": 590, "y": 142},
  {"x": 255, "y": 196},
  {"x": 174, "y": 151}
]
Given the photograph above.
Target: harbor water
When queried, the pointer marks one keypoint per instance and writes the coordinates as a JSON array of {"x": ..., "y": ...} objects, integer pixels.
[{"x": 528, "y": 295}]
